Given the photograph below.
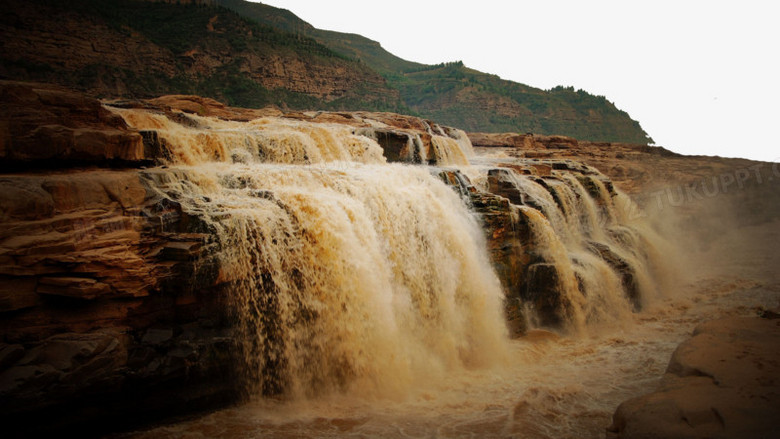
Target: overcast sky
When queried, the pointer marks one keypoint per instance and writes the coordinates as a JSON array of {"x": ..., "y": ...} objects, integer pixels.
[{"x": 701, "y": 77}]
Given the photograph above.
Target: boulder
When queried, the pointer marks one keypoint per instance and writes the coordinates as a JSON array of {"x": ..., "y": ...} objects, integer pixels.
[
  {"x": 544, "y": 291},
  {"x": 721, "y": 383}
]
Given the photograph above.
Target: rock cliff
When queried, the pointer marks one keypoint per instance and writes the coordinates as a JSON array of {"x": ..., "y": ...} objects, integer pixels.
[
  {"x": 143, "y": 49},
  {"x": 97, "y": 298}
]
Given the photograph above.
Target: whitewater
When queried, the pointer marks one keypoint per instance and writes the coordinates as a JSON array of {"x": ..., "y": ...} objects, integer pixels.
[{"x": 366, "y": 303}]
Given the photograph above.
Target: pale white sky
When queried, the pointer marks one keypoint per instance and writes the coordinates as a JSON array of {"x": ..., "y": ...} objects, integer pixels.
[{"x": 701, "y": 77}]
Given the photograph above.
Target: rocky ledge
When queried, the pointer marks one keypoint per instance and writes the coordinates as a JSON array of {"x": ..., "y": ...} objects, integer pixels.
[{"x": 721, "y": 383}]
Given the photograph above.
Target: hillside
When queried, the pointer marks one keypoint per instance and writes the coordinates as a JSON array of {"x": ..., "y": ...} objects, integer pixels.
[
  {"x": 113, "y": 48},
  {"x": 456, "y": 95},
  {"x": 353, "y": 46},
  {"x": 254, "y": 55}
]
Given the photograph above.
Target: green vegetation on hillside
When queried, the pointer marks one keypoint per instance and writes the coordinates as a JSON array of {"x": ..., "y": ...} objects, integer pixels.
[
  {"x": 354, "y": 46},
  {"x": 453, "y": 94},
  {"x": 232, "y": 44},
  {"x": 184, "y": 27},
  {"x": 253, "y": 55}
]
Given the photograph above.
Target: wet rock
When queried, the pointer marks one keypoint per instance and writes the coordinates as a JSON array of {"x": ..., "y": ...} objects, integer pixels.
[
  {"x": 97, "y": 249},
  {"x": 623, "y": 268},
  {"x": 398, "y": 146},
  {"x": 544, "y": 293},
  {"x": 10, "y": 354},
  {"x": 461, "y": 184},
  {"x": 155, "y": 147},
  {"x": 157, "y": 336},
  {"x": 505, "y": 238},
  {"x": 59, "y": 366},
  {"x": 500, "y": 183},
  {"x": 721, "y": 383},
  {"x": 181, "y": 251}
]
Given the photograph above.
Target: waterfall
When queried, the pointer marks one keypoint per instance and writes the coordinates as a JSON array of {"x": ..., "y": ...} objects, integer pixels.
[
  {"x": 348, "y": 273},
  {"x": 266, "y": 140},
  {"x": 448, "y": 151},
  {"x": 345, "y": 276},
  {"x": 464, "y": 143},
  {"x": 601, "y": 264}
]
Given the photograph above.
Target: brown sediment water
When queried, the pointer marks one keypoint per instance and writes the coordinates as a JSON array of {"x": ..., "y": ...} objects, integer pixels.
[{"x": 367, "y": 305}]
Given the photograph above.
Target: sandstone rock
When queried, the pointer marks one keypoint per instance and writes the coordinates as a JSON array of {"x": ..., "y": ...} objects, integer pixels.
[
  {"x": 10, "y": 354},
  {"x": 398, "y": 146},
  {"x": 499, "y": 181},
  {"x": 17, "y": 293},
  {"x": 86, "y": 283},
  {"x": 75, "y": 287},
  {"x": 510, "y": 140},
  {"x": 722, "y": 383},
  {"x": 157, "y": 336},
  {"x": 400, "y": 121},
  {"x": 209, "y": 107},
  {"x": 49, "y": 126},
  {"x": 505, "y": 238},
  {"x": 59, "y": 366},
  {"x": 23, "y": 199}
]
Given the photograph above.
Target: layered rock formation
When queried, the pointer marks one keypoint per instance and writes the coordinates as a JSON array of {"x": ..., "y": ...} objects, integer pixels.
[
  {"x": 457, "y": 95},
  {"x": 721, "y": 383},
  {"x": 101, "y": 283},
  {"x": 134, "y": 48},
  {"x": 49, "y": 126}
]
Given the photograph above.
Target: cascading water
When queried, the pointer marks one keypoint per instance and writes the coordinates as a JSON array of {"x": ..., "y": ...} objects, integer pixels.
[
  {"x": 593, "y": 262},
  {"x": 364, "y": 293},
  {"x": 263, "y": 140},
  {"x": 462, "y": 139},
  {"x": 448, "y": 151},
  {"x": 583, "y": 269},
  {"x": 366, "y": 278}
]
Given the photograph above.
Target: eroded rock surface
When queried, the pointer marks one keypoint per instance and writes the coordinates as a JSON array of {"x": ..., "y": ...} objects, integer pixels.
[
  {"x": 721, "y": 383},
  {"x": 55, "y": 127},
  {"x": 94, "y": 268}
]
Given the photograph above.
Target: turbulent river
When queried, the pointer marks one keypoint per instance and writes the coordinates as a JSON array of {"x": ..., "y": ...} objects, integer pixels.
[{"x": 369, "y": 306}]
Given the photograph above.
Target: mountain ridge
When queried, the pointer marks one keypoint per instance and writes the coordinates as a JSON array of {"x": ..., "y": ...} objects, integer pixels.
[
  {"x": 457, "y": 95},
  {"x": 255, "y": 55},
  {"x": 127, "y": 48}
]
